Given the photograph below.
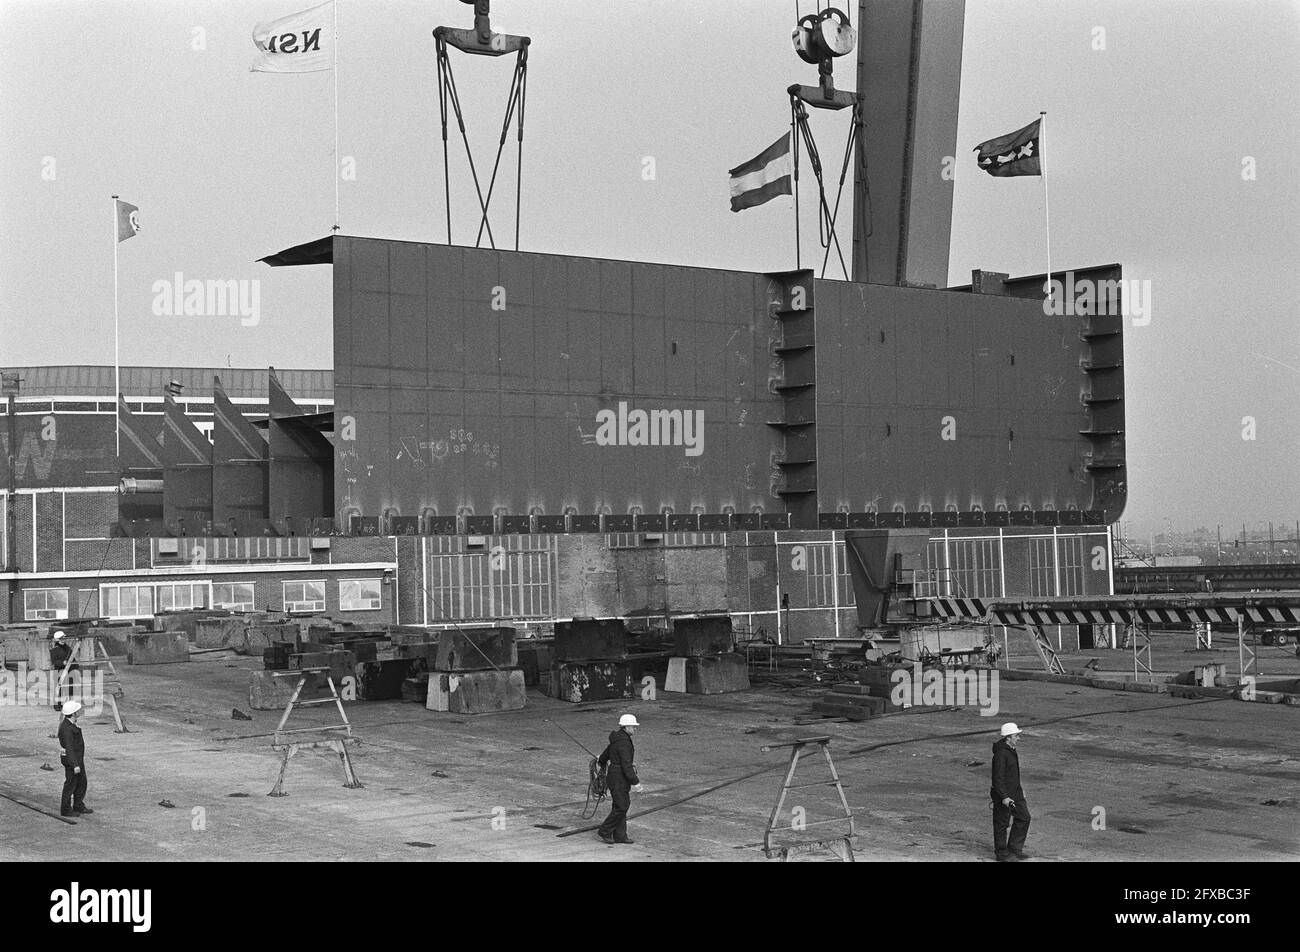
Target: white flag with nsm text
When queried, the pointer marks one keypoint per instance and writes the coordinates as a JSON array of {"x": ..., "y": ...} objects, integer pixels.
[{"x": 299, "y": 43}]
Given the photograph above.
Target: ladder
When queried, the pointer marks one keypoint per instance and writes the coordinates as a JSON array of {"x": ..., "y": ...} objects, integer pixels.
[
  {"x": 1046, "y": 653},
  {"x": 842, "y": 844},
  {"x": 98, "y": 659},
  {"x": 336, "y": 744}
]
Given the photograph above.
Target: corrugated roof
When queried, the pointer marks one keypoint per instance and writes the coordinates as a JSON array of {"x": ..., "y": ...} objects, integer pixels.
[{"x": 239, "y": 382}]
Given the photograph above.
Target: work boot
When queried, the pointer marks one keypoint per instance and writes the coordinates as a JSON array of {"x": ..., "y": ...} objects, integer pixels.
[
  {"x": 606, "y": 838},
  {"x": 82, "y": 809},
  {"x": 66, "y": 813},
  {"x": 1020, "y": 854},
  {"x": 626, "y": 841}
]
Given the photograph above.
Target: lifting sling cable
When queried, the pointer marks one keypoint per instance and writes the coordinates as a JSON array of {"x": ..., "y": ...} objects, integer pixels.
[
  {"x": 826, "y": 233},
  {"x": 515, "y": 97},
  {"x": 447, "y": 87}
]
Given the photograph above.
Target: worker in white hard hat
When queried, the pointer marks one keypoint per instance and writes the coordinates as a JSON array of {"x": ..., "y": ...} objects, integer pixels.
[
  {"x": 1010, "y": 811},
  {"x": 74, "y": 762},
  {"x": 622, "y": 779},
  {"x": 60, "y": 655}
]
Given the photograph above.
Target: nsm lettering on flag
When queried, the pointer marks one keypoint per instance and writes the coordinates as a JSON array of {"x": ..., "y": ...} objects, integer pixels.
[
  {"x": 763, "y": 177},
  {"x": 298, "y": 43}
]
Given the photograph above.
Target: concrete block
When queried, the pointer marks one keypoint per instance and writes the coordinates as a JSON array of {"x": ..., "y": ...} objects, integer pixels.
[
  {"x": 880, "y": 674},
  {"x": 585, "y": 639},
  {"x": 476, "y": 692},
  {"x": 578, "y": 681},
  {"x": 719, "y": 674},
  {"x": 850, "y": 689},
  {"x": 157, "y": 647},
  {"x": 476, "y": 649},
  {"x": 36, "y": 651},
  {"x": 1146, "y": 687},
  {"x": 381, "y": 680},
  {"x": 838, "y": 709},
  {"x": 707, "y": 635},
  {"x": 676, "y": 680},
  {"x": 407, "y": 635},
  {"x": 883, "y": 693},
  {"x": 416, "y": 689},
  {"x": 876, "y": 705},
  {"x": 113, "y": 637},
  {"x": 529, "y": 663},
  {"x": 268, "y": 693},
  {"x": 276, "y": 657},
  {"x": 648, "y": 666},
  {"x": 1285, "y": 686},
  {"x": 220, "y": 632},
  {"x": 13, "y": 642},
  {"x": 364, "y": 650},
  {"x": 259, "y": 637}
]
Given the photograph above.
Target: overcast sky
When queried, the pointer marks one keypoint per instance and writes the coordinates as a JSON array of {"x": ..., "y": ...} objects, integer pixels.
[{"x": 1171, "y": 149}]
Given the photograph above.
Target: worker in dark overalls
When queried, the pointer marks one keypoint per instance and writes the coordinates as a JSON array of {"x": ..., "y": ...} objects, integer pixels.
[
  {"x": 622, "y": 779},
  {"x": 60, "y": 657},
  {"x": 1009, "y": 807},
  {"x": 73, "y": 758}
]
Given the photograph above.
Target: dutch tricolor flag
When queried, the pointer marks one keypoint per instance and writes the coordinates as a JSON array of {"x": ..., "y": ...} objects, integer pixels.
[{"x": 763, "y": 177}]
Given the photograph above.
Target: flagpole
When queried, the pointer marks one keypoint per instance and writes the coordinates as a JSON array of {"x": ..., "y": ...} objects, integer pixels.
[
  {"x": 794, "y": 148},
  {"x": 117, "y": 370},
  {"x": 1047, "y": 209},
  {"x": 336, "y": 115}
]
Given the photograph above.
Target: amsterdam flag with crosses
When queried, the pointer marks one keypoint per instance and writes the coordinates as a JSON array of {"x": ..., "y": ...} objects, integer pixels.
[{"x": 1016, "y": 153}]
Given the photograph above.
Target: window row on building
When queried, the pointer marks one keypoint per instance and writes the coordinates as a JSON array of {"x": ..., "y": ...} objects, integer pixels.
[{"x": 143, "y": 599}]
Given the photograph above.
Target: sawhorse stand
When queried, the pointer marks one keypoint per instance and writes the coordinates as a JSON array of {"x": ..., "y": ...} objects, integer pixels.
[
  {"x": 336, "y": 744},
  {"x": 841, "y": 846},
  {"x": 98, "y": 659}
]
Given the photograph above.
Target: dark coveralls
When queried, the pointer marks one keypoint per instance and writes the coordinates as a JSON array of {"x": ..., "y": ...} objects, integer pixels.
[
  {"x": 1006, "y": 783},
  {"x": 622, "y": 778},
  {"x": 74, "y": 755},
  {"x": 60, "y": 654}
]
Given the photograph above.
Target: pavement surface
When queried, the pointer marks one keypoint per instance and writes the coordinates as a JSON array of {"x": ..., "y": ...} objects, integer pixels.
[{"x": 1109, "y": 775}]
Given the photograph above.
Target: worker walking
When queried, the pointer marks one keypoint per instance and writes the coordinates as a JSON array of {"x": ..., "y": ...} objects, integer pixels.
[
  {"x": 621, "y": 777},
  {"x": 1009, "y": 806},
  {"x": 74, "y": 762}
]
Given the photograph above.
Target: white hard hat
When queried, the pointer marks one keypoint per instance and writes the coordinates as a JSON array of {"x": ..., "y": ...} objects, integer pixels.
[
  {"x": 628, "y": 720},
  {"x": 1010, "y": 728},
  {"x": 71, "y": 707},
  {"x": 58, "y": 636}
]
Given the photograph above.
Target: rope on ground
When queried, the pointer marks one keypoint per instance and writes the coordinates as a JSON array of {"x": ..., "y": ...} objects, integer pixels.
[{"x": 859, "y": 751}]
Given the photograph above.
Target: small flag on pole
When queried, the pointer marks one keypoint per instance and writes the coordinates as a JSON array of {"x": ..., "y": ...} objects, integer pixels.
[
  {"x": 1017, "y": 153},
  {"x": 298, "y": 43},
  {"x": 128, "y": 220},
  {"x": 763, "y": 177}
]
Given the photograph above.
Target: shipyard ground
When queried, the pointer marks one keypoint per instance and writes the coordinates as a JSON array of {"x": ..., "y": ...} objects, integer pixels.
[{"x": 1178, "y": 779}]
